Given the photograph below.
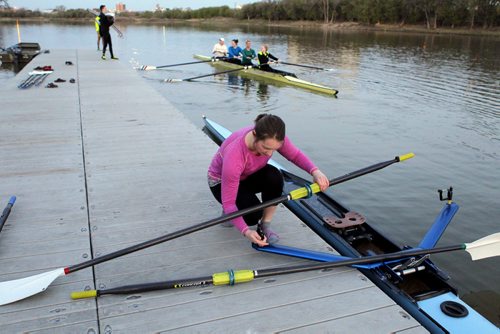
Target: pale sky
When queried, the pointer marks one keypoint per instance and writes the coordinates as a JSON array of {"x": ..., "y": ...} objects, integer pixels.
[{"x": 131, "y": 4}]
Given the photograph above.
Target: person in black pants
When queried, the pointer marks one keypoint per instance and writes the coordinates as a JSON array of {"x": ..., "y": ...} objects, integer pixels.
[
  {"x": 265, "y": 58},
  {"x": 105, "y": 22}
]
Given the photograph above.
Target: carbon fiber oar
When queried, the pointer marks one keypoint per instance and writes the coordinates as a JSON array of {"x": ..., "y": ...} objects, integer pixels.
[
  {"x": 6, "y": 212},
  {"x": 14, "y": 290},
  {"x": 306, "y": 66},
  {"x": 483, "y": 248},
  {"x": 151, "y": 67},
  {"x": 211, "y": 74}
]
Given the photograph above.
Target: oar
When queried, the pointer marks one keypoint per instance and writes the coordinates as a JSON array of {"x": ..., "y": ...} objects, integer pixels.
[
  {"x": 11, "y": 291},
  {"x": 483, "y": 248},
  {"x": 306, "y": 66},
  {"x": 118, "y": 32},
  {"x": 6, "y": 212},
  {"x": 151, "y": 67},
  {"x": 209, "y": 75}
]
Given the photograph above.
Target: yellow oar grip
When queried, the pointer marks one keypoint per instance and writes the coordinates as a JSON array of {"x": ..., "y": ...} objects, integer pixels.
[
  {"x": 304, "y": 192},
  {"x": 406, "y": 156},
  {"x": 228, "y": 277},
  {"x": 84, "y": 294}
]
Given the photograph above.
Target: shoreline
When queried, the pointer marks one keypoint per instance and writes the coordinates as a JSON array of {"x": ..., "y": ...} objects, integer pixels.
[{"x": 339, "y": 26}]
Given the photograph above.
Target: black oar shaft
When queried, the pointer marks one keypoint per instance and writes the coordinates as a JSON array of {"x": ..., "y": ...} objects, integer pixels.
[
  {"x": 175, "y": 235},
  {"x": 356, "y": 261},
  {"x": 174, "y": 284},
  {"x": 6, "y": 212},
  {"x": 217, "y": 73},
  {"x": 188, "y": 63},
  {"x": 224, "y": 218},
  {"x": 364, "y": 171},
  {"x": 301, "y": 65}
]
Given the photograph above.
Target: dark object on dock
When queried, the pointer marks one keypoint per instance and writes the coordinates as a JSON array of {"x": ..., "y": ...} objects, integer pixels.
[
  {"x": 6, "y": 212},
  {"x": 20, "y": 53}
]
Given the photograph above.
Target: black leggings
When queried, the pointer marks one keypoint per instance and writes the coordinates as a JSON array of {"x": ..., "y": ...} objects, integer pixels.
[
  {"x": 106, "y": 40},
  {"x": 268, "y": 68},
  {"x": 267, "y": 181}
]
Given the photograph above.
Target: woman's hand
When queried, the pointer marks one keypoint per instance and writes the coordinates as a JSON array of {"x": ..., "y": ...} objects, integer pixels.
[
  {"x": 321, "y": 179},
  {"x": 254, "y": 237}
]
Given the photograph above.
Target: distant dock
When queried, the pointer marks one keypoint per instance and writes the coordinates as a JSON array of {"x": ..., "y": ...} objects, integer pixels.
[{"x": 107, "y": 162}]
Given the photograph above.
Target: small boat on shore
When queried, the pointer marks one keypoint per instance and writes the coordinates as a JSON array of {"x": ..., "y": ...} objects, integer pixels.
[
  {"x": 415, "y": 283},
  {"x": 255, "y": 72},
  {"x": 20, "y": 53}
]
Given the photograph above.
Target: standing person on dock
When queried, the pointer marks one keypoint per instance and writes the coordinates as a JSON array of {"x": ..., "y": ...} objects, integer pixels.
[
  {"x": 239, "y": 171},
  {"x": 97, "y": 27},
  {"x": 106, "y": 20},
  {"x": 233, "y": 52},
  {"x": 220, "y": 49},
  {"x": 265, "y": 58},
  {"x": 247, "y": 54}
]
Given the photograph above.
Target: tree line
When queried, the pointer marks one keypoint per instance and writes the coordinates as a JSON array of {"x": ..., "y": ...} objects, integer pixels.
[{"x": 431, "y": 13}]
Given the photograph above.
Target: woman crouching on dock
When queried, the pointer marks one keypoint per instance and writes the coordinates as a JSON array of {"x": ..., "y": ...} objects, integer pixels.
[{"x": 239, "y": 171}]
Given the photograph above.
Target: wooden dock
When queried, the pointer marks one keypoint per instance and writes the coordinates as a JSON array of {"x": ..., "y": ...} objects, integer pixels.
[{"x": 107, "y": 162}]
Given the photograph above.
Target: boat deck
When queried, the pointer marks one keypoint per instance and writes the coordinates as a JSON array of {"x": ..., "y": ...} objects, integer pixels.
[{"x": 95, "y": 172}]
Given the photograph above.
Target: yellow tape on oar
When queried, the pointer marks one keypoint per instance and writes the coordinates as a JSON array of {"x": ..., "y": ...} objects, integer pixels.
[
  {"x": 406, "y": 156},
  {"x": 84, "y": 294},
  {"x": 304, "y": 191},
  {"x": 232, "y": 277}
]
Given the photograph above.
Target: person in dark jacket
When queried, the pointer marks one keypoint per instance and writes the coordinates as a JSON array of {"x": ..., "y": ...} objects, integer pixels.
[
  {"x": 106, "y": 21},
  {"x": 265, "y": 58}
]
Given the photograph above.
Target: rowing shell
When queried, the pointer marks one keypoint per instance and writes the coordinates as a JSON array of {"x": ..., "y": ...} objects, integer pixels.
[
  {"x": 416, "y": 284},
  {"x": 255, "y": 72}
]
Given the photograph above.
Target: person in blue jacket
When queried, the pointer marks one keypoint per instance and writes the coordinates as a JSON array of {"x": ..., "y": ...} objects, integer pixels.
[{"x": 233, "y": 52}]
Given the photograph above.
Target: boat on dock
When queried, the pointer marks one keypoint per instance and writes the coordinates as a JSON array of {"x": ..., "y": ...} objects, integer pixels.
[
  {"x": 275, "y": 77},
  {"x": 415, "y": 283},
  {"x": 20, "y": 53}
]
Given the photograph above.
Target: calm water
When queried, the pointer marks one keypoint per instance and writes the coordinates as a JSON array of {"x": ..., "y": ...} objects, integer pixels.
[{"x": 437, "y": 96}]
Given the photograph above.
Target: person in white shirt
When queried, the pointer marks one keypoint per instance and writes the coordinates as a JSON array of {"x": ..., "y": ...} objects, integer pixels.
[{"x": 220, "y": 49}]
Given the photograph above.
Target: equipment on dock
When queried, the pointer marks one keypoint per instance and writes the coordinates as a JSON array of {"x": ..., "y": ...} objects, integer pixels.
[
  {"x": 20, "y": 53},
  {"x": 253, "y": 71},
  {"x": 36, "y": 77},
  {"x": 6, "y": 212},
  {"x": 414, "y": 281},
  {"x": 14, "y": 290}
]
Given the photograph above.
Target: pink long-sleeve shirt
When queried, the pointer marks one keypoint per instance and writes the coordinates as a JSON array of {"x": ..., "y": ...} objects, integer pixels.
[{"x": 234, "y": 162}]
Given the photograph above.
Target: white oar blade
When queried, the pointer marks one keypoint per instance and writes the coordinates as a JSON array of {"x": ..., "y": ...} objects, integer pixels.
[
  {"x": 488, "y": 246},
  {"x": 18, "y": 289}
]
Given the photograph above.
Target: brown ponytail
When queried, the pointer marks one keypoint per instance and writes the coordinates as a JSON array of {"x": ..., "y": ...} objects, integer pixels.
[{"x": 269, "y": 126}]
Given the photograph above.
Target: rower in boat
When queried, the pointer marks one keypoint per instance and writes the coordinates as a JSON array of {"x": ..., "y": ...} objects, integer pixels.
[
  {"x": 233, "y": 52},
  {"x": 265, "y": 57},
  {"x": 248, "y": 54},
  {"x": 220, "y": 49},
  {"x": 239, "y": 171}
]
